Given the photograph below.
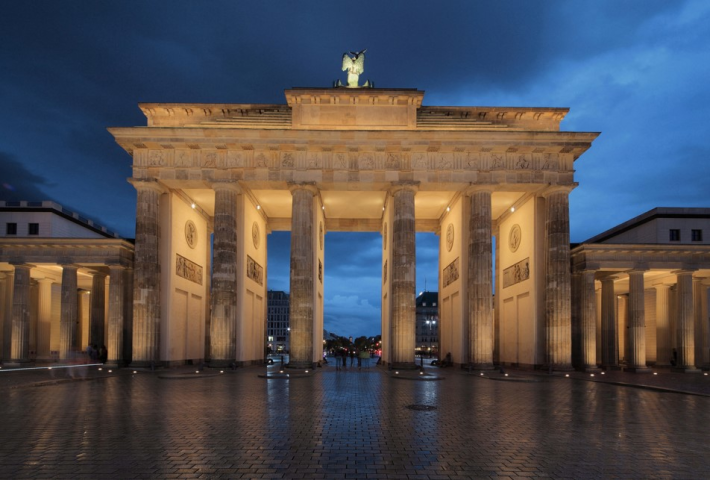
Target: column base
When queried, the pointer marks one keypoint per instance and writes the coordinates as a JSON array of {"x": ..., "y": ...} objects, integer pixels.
[
  {"x": 685, "y": 370},
  {"x": 479, "y": 366},
  {"x": 404, "y": 366},
  {"x": 594, "y": 369},
  {"x": 301, "y": 365},
  {"x": 559, "y": 368},
  {"x": 147, "y": 364},
  {"x": 221, "y": 363},
  {"x": 611, "y": 368},
  {"x": 18, "y": 364},
  {"x": 638, "y": 369}
]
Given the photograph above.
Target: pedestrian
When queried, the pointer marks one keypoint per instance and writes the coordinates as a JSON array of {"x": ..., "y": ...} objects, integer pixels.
[
  {"x": 345, "y": 358},
  {"x": 94, "y": 353},
  {"x": 337, "y": 361},
  {"x": 352, "y": 356},
  {"x": 359, "y": 361},
  {"x": 89, "y": 354},
  {"x": 103, "y": 354}
]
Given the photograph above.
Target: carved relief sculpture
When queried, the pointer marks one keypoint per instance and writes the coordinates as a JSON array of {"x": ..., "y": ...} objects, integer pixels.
[
  {"x": 190, "y": 234},
  {"x": 451, "y": 273},
  {"x": 188, "y": 270}
]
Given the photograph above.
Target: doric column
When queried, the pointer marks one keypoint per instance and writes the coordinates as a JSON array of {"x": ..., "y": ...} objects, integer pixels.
[
  {"x": 705, "y": 324},
  {"x": 98, "y": 310},
  {"x": 6, "y": 346},
  {"x": 480, "y": 280},
  {"x": 700, "y": 310},
  {"x": 686, "y": 322},
  {"x": 223, "y": 322},
  {"x": 146, "y": 277},
  {"x": 69, "y": 312},
  {"x": 302, "y": 275},
  {"x": 115, "y": 315},
  {"x": 610, "y": 338},
  {"x": 588, "y": 321},
  {"x": 44, "y": 318},
  {"x": 558, "y": 281},
  {"x": 20, "y": 350},
  {"x": 636, "y": 320},
  {"x": 403, "y": 325},
  {"x": 664, "y": 348}
]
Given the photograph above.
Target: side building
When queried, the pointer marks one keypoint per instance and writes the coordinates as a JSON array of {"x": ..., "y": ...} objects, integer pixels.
[
  {"x": 65, "y": 283},
  {"x": 640, "y": 293},
  {"x": 427, "y": 328},
  {"x": 278, "y": 327}
]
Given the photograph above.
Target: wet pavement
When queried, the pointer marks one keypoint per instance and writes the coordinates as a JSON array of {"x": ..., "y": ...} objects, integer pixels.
[{"x": 85, "y": 423}]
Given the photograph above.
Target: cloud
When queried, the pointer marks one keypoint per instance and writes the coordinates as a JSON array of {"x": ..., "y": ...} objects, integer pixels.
[{"x": 17, "y": 182}]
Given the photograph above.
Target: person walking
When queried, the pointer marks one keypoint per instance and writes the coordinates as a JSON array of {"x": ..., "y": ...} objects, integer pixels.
[{"x": 352, "y": 356}]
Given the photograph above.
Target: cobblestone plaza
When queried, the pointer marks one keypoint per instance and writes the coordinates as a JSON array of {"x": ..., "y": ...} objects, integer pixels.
[{"x": 350, "y": 424}]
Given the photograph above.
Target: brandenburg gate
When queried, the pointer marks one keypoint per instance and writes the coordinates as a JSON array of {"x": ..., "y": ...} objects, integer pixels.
[{"x": 213, "y": 180}]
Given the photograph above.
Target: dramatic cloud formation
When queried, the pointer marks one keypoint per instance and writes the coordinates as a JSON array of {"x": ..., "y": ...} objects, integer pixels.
[{"x": 636, "y": 71}]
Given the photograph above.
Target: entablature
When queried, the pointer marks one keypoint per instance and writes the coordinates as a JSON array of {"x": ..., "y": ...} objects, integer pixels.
[{"x": 627, "y": 256}]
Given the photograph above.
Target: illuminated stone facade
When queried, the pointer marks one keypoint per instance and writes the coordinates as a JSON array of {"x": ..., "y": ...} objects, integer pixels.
[
  {"x": 353, "y": 160},
  {"x": 641, "y": 293}
]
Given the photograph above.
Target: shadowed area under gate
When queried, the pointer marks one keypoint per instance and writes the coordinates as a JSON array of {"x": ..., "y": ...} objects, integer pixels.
[{"x": 347, "y": 424}]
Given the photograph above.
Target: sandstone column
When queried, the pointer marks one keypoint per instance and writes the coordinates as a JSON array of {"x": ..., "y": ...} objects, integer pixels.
[
  {"x": 7, "y": 316},
  {"x": 146, "y": 277},
  {"x": 700, "y": 310},
  {"x": 636, "y": 356},
  {"x": 20, "y": 350},
  {"x": 558, "y": 281},
  {"x": 44, "y": 318},
  {"x": 98, "y": 308},
  {"x": 115, "y": 316},
  {"x": 588, "y": 321},
  {"x": 686, "y": 323},
  {"x": 69, "y": 312},
  {"x": 223, "y": 321},
  {"x": 664, "y": 348},
  {"x": 303, "y": 243},
  {"x": 480, "y": 280},
  {"x": 610, "y": 338},
  {"x": 403, "y": 326}
]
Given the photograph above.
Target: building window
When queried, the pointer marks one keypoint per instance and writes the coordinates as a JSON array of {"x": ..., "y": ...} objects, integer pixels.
[
  {"x": 697, "y": 235},
  {"x": 674, "y": 235},
  {"x": 33, "y": 229},
  {"x": 11, "y": 229}
]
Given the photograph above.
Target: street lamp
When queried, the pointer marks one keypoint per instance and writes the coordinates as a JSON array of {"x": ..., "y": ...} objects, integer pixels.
[{"x": 430, "y": 323}]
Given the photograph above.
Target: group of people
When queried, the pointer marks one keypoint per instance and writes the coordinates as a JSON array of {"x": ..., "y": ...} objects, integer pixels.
[
  {"x": 341, "y": 357},
  {"x": 97, "y": 355}
]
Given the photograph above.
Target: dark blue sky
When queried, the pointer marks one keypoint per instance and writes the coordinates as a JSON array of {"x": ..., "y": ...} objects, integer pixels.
[{"x": 637, "y": 71}]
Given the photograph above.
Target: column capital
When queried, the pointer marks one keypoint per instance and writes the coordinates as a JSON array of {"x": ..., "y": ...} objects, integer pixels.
[
  {"x": 554, "y": 189},
  {"x": 116, "y": 267},
  {"x": 308, "y": 186},
  {"x": 44, "y": 280},
  {"x": 636, "y": 271},
  {"x": 148, "y": 184},
  {"x": 684, "y": 271},
  {"x": 474, "y": 188},
  {"x": 69, "y": 265},
  {"x": 227, "y": 185},
  {"x": 398, "y": 186},
  {"x": 22, "y": 265}
]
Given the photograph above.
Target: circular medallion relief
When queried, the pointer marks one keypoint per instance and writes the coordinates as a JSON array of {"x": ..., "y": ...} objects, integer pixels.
[
  {"x": 450, "y": 237},
  {"x": 191, "y": 233},
  {"x": 255, "y": 236},
  {"x": 384, "y": 237},
  {"x": 321, "y": 234},
  {"x": 515, "y": 237}
]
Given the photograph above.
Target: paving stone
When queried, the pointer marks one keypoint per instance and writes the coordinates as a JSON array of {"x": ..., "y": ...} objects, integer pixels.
[{"x": 350, "y": 425}]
